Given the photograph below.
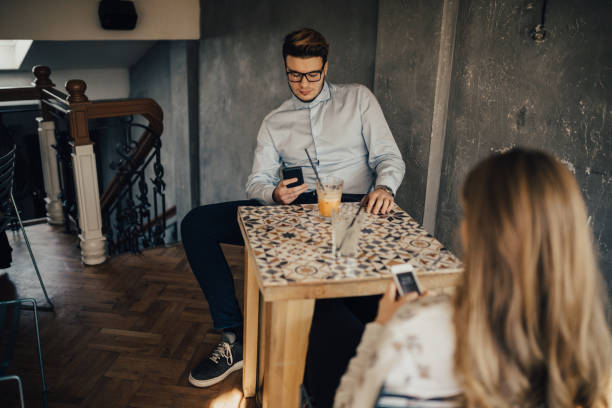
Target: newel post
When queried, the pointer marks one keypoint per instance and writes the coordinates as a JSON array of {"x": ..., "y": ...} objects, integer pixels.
[
  {"x": 48, "y": 156},
  {"x": 93, "y": 243}
]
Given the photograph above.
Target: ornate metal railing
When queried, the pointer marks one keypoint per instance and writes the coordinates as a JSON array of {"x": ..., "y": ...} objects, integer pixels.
[{"x": 136, "y": 219}]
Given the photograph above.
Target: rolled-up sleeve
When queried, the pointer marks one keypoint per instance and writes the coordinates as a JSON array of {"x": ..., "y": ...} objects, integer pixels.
[
  {"x": 265, "y": 172},
  {"x": 384, "y": 156}
]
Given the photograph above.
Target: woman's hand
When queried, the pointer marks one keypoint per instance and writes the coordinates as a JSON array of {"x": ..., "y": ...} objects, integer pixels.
[
  {"x": 388, "y": 304},
  {"x": 286, "y": 195}
]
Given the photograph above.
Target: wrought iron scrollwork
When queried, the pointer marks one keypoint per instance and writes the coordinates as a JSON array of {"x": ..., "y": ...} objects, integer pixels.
[{"x": 137, "y": 218}]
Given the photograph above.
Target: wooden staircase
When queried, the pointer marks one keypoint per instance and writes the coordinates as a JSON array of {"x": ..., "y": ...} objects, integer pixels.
[{"x": 75, "y": 107}]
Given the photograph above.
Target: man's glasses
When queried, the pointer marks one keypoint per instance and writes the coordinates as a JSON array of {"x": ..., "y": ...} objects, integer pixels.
[{"x": 312, "y": 76}]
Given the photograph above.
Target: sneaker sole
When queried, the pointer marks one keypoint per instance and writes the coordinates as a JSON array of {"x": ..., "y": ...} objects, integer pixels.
[{"x": 213, "y": 381}]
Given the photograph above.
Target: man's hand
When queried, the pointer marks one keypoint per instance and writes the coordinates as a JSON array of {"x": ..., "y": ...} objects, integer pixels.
[
  {"x": 378, "y": 201},
  {"x": 284, "y": 195}
]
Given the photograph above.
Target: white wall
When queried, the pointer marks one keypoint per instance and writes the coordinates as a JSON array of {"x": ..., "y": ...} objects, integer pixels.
[
  {"x": 109, "y": 83},
  {"x": 65, "y": 20}
]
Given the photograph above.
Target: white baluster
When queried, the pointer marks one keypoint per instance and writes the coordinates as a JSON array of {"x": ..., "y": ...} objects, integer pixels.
[
  {"x": 48, "y": 157},
  {"x": 93, "y": 243}
]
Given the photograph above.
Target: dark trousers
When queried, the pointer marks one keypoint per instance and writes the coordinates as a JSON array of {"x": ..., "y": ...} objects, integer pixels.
[
  {"x": 337, "y": 327},
  {"x": 202, "y": 230}
]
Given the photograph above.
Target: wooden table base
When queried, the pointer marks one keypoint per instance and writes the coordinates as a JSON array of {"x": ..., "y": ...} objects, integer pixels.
[
  {"x": 287, "y": 324},
  {"x": 251, "y": 323},
  {"x": 283, "y": 343},
  {"x": 288, "y": 266}
]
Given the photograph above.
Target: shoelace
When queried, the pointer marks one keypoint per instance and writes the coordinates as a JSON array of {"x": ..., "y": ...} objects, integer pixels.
[{"x": 223, "y": 349}]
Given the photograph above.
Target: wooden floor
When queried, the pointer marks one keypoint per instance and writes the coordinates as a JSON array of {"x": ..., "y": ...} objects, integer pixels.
[{"x": 124, "y": 334}]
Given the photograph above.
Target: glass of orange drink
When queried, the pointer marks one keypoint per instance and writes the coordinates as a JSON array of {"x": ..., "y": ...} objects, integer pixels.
[{"x": 329, "y": 194}]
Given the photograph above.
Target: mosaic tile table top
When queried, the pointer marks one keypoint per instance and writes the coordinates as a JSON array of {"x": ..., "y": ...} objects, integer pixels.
[{"x": 292, "y": 244}]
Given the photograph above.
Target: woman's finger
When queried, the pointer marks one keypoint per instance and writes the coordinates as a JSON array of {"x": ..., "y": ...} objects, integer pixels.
[
  {"x": 391, "y": 291},
  {"x": 409, "y": 297}
]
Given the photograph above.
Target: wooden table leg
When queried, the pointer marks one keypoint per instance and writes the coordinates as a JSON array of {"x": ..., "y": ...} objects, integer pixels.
[
  {"x": 251, "y": 322},
  {"x": 264, "y": 332},
  {"x": 287, "y": 326}
]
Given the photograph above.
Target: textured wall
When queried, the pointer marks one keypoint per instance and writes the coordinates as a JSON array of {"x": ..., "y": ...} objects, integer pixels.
[
  {"x": 405, "y": 80},
  {"x": 150, "y": 78},
  {"x": 242, "y": 79},
  {"x": 508, "y": 90}
]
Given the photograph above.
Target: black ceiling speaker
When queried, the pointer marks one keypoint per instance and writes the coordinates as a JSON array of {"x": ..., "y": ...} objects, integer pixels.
[{"x": 117, "y": 15}]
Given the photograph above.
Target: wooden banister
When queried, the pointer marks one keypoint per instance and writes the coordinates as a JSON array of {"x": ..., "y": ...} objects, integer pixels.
[
  {"x": 149, "y": 109},
  {"x": 145, "y": 107},
  {"x": 42, "y": 89},
  {"x": 125, "y": 171},
  {"x": 19, "y": 94},
  {"x": 82, "y": 110},
  {"x": 43, "y": 77},
  {"x": 55, "y": 94}
]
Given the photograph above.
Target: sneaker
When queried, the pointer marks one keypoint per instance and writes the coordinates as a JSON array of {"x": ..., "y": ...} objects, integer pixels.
[{"x": 224, "y": 360}]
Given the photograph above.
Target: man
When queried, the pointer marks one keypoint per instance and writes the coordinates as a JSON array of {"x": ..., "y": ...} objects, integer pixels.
[{"x": 343, "y": 129}]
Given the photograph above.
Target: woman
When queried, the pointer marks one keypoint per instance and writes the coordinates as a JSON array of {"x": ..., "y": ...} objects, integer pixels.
[{"x": 526, "y": 328}]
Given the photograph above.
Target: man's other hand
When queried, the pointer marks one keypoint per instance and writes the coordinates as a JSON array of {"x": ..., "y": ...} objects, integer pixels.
[
  {"x": 285, "y": 195},
  {"x": 378, "y": 201}
]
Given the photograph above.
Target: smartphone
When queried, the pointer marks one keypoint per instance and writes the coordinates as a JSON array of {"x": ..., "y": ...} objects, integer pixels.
[
  {"x": 291, "y": 172},
  {"x": 405, "y": 279}
]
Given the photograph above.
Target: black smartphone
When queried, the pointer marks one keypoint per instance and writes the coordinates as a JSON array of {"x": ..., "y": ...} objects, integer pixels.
[
  {"x": 405, "y": 279},
  {"x": 291, "y": 172}
]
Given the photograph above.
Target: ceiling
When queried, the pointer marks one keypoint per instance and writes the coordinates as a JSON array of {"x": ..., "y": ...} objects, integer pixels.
[{"x": 85, "y": 54}]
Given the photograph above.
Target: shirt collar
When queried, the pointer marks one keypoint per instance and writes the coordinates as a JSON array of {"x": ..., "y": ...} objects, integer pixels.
[{"x": 323, "y": 96}]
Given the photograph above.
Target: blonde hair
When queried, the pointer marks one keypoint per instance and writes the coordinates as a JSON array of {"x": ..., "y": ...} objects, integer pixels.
[{"x": 530, "y": 316}]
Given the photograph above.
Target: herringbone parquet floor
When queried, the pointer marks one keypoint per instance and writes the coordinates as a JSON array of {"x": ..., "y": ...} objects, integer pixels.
[{"x": 124, "y": 334}]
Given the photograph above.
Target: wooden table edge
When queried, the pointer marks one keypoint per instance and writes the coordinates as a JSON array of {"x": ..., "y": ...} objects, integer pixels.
[
  {"x": 247, "y": 245},
  {"x": 322, "y": 290},
  {"x": 342, "y": 288}
]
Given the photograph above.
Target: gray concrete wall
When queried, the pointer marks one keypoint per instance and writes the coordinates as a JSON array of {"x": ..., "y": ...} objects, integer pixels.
[
  {"x": 507, "y": 90},
  {"x": 183, "y": 127},
  {"x": 242, "y": 76},
  {"x": 405, "y": 80},
  {"x": 168, "y": 73},
  {"x": 150, "y": 78}
]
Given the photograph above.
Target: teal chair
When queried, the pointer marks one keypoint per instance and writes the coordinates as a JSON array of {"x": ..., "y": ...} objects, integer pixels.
[
  {"x": 9, "y": 213},
  {"x": 10, "y": 312}
]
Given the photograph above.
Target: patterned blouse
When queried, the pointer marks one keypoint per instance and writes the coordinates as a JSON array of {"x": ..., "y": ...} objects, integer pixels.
[{"x": 406, "y": 363}]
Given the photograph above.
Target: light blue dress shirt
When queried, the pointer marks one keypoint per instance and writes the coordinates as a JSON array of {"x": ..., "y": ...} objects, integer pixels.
[{"x": 345, "y": 133}]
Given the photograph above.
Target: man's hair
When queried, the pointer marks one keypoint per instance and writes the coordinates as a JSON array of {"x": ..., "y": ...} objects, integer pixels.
[{"x": 305, "y": 43}]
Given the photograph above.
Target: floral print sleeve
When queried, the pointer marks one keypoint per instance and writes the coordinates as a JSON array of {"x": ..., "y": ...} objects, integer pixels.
[
  {"x": 410, "y": 356},
  {"x": 356, "y": 372}
]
